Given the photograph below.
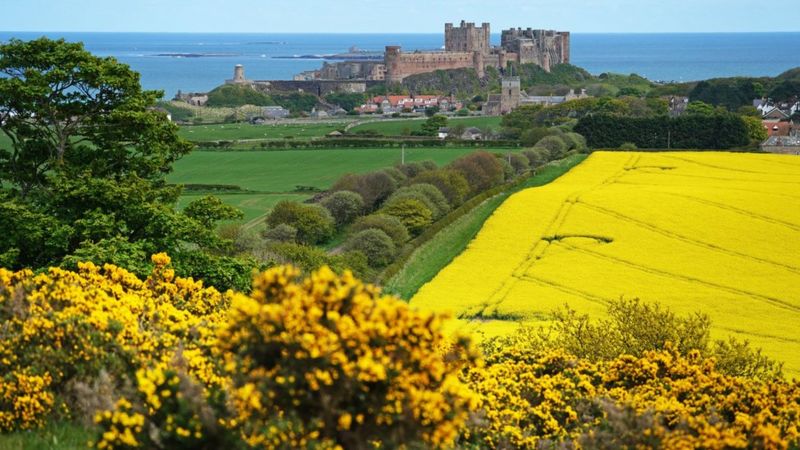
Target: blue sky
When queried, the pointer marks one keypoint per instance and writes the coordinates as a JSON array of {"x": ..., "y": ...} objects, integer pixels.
[{"x": 382, "y": 16}]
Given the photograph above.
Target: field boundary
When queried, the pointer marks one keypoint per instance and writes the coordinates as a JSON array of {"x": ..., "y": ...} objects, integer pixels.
[{"x": 506, "y": 190}]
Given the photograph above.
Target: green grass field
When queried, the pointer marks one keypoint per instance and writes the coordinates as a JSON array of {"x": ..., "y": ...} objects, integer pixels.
[
  {"x": 275, "y": 175},
  {"x": 254, "y": 206},
  {"x": 437, "y": 253},
  {"x": 62, "y": 436},
  {"x": 397, "y": 127},
  {"x": 238, "y": 131}
]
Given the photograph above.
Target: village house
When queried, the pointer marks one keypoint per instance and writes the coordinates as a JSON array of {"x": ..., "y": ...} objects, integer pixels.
[
  {"x": 401, "y": 103},
  {"x": 777, "y": 128}
]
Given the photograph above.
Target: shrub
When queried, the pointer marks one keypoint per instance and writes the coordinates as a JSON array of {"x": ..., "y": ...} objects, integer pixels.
[
  {"x": 508, "y": 170},
  {"x": 375, "y": 244},
  {"x": 222, "y": 272},
  {"x": 555, "y": 145},
  {"x": 242, "y": 240},
  {"x": 388, "y": 224},
  {"x": 327, "y": 360},
  {"x": 313, "y": 223},
  {"x": 426, "y": 193},
  {"x": 344, "y": 206},
  {"x": 634, "y": 328},
  {"x": 281, "y": 233},
  {"x": 519, "y": 162},
  {"x": 412, "y": 169},
  {"x": 574, "y": 141},
  {"x": 413, "y": 213},
  {"x": 374, "y": 187},
  {"x": 396, "y": 174},
  {"x": 661, "y": 399},
  {"x": 95, "y": 325},
  {"x": 481, "y": 170},
  {"x": 537, "y": 156},
  {"x": 450, "y": 183},
  {"x": 309, "y": 258},
  {"x": 531, "y": 136},
  {"x": 628, "y": 146},
  {"x": 433, "y": 194}
]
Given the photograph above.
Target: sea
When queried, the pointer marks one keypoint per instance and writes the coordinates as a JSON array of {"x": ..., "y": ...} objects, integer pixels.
[{"x": 198, "y": 62}]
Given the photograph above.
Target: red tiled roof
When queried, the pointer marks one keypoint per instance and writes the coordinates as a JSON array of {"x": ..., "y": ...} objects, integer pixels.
[{"x": 777, "y": 128}]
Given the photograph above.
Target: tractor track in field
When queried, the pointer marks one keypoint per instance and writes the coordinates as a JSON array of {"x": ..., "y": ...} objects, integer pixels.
[{"x": 686, "y": 239}]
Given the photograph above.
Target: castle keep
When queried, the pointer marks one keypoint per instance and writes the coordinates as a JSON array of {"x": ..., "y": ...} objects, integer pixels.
[{"x": 469, "y": 46}]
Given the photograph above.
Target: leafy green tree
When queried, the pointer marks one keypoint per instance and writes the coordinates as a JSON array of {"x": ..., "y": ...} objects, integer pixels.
[
  {"x": 83, "y": 174},
  {"x": 555, "y": 145},
  {"x": 481, "y": 170},
  {"x": 344, "y": 206},
  {"x": 537, "y": 156},
  {"x": 699, "y": 108},
  {"x": 427, "y": 194},
  {"x": 375, "y": 244},
  {"x": 209, "y": 210},
  {"x": 450, "y": 183},
  {"x": 345, "y": 100},
  {"x": 519, "y": 162},
  {"x": 431, "y": 111},
  {"x": 314, "y": 224},
  {"x": 374, "y": 187},
  {"x": 755, "y": 129},
  {"x": 65, "y": 110},
  {"x": 432, "y": 125},
  {"x": 388, "y": 224},
  {"x": 281, "y": 233},
  {"x": 413, "y": 213}
]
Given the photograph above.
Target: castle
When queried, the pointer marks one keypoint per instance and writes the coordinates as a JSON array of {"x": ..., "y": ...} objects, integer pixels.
[{"x": 466, "y": 46}]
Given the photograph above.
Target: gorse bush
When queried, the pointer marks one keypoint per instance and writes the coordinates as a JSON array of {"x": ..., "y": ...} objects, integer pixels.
[{"x": 328, "y": 362}]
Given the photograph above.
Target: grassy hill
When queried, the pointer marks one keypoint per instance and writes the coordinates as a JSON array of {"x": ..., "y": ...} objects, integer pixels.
[{"x": 706, "y": 232}]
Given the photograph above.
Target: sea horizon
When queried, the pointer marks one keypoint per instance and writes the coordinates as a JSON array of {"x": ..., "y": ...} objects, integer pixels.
[{"x": 660, "y": 57}]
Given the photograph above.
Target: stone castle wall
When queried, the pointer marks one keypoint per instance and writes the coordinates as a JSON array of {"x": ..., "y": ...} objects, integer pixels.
[{"x": 400, "y": 65}]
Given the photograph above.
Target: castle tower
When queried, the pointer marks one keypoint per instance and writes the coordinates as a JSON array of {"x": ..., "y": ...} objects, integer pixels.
[
  {"x": 467, "y": 38},
  {"x": 238, "y": 74},
  {"x": 478, "y": 63},
  {"x": 391, "y": 60},
  {"x": 510, "y": 94}
]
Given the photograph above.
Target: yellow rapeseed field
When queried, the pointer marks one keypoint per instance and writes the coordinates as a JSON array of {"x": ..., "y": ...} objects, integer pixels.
[{"x": 712, "y": 232}]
